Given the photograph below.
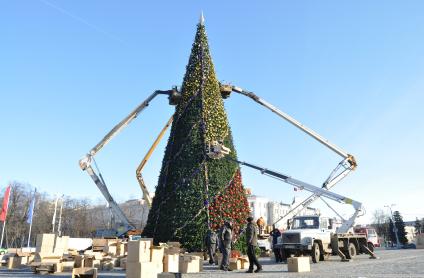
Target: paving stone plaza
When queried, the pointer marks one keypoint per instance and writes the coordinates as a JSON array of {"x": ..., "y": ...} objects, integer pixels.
[{"x": 392, "y": 263}]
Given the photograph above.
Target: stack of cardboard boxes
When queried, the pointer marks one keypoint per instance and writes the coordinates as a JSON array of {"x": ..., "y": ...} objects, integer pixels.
[
  {"x": 190, "y": 263},
  {"x": 143, "y": 260}
]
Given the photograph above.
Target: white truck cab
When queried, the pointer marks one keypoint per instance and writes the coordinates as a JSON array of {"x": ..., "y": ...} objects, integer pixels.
[
  {"x": 306, "y": 234},
  {"x": 317, "y": 236}
]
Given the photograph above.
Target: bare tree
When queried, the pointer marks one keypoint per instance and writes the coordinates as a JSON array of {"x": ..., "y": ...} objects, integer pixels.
[
  {"x": 380, "y": 221},
  {"x": 80, "y": 217}
]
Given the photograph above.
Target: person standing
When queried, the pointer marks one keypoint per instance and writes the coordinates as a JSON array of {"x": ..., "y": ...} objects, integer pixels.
[
  {"x": 225, "y": 241},
  {"x": 252, "y": 242},
  {"x": 277, "y": 251},
  {"x": 211, "y": 241}
]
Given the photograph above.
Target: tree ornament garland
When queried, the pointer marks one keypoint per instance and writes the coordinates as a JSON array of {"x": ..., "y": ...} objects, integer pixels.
[{"x": 195, "y": 192}]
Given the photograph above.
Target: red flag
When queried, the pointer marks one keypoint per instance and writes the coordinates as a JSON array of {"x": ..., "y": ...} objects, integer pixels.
[{"x": 3, "y": 213}]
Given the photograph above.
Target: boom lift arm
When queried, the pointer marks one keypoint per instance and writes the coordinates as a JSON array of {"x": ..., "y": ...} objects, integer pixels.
[
  {"x": 86, "y": 162},
  {"x": 317, "y": 191},
  {"x": 140, "y": 167},
  {"x": 347, "y": 164}
]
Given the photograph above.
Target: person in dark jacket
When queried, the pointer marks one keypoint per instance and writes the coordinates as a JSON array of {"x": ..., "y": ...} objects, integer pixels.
[
  {"x": 252, "y": 242},
  {"x": 225, "y": 239},
  {"x": 277, "y": 251},
  {"x": 211, "y": 242}
]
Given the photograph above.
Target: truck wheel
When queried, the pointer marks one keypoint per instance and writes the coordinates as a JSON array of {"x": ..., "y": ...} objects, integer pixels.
[
  {"x": 351, "y": 251},
  {"x": 316, "y": 253},
  {"x": 370, "y": 246}
]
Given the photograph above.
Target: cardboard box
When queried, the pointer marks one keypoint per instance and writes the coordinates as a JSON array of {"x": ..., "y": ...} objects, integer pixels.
[
  {"x": 159, "y": 267},
  {"x": 57, "y": 267},
  {"x": 235, "y": 264},
  {"x": 156, "y": 254},
  {"x": 298, "y": 264},
  {"x": 47, "y": 258},
  {"x": 110, "y": 249},
  {"x": 244, "y": 260},
  {"x": 172, "y": 250},
  {"x": 99, "y": 243},
  {"x": 171, "y": 263},
  {"x": 61, "y": 245},
  {"x": 189, "y": 264},
  {"x": 85, "y": 272},
  {"x": 123, "y": 263},
  {"x": 24, "y": 260},
  {"x": 107, "y": 265},
  {"x": 67, "y": 266},
  {"x": 141, "y": 270},
  {"x": 201, "y": 258},
  {"x": 45, "y": 243},
  {"x": 79, "y": 261},
  {"x": 91, "y": 262},
  {"x": 111, "y": 246},
  {"x": 121, "y": 248},
  {"x": 115, "y": 262},
  {"x": 14, "y": 262},
  {"x": 139, "y": 250},
  {"x": 175, "y": 244},
  {"x": 23, "y": 252}
]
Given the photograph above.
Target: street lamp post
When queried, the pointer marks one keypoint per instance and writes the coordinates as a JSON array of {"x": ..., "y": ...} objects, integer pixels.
[{"x": 395, "y": 230}]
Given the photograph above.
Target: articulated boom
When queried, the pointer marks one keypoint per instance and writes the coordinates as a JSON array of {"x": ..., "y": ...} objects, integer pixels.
[
  {"x": 345, "y": 166},
  {"x": 86, "y": 162},
  {"x": 317, "y": 191}
]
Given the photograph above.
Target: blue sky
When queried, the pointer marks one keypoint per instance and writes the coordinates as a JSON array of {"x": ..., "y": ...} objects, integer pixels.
[{"x": 353, "y": 71}]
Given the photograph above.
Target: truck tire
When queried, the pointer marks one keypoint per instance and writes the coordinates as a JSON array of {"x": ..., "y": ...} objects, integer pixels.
[
  {"x": 351, "y": 251},
  {"x": 316, "y": 253}
]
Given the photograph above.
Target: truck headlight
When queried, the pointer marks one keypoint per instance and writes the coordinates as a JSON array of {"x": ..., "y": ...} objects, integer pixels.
[{"x": 307, "y": 241}]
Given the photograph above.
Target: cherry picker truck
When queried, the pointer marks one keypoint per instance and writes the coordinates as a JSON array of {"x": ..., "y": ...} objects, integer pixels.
[{"x": 320, "y": 239}]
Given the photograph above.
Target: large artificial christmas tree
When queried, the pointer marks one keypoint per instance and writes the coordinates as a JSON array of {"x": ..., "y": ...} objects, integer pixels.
[{"x": 196, "y": 192}]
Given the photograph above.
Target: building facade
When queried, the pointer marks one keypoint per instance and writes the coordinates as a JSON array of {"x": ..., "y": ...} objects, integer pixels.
[{"x": 272, "y": 211}]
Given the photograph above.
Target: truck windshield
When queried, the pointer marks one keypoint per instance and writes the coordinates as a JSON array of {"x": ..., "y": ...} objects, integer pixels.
[{"x": 305, "y": 223}]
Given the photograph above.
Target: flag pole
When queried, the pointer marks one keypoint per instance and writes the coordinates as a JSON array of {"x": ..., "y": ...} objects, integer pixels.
[
  {"x": 54, "y": 214},
  {"x": 29, "y": 234},
  {"x": 4, "y": 222},
  {"x": 2, "y": 234},
  {"x": 59, "y": 228},
  {"x": 30, "y": 216}
]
